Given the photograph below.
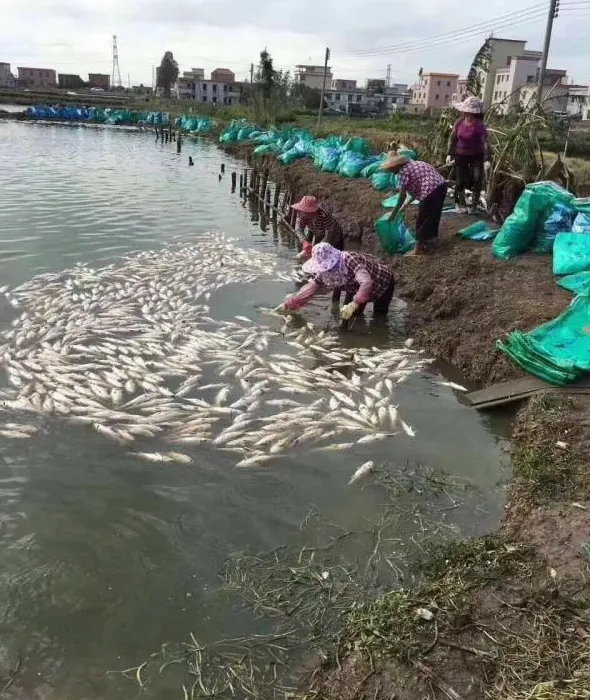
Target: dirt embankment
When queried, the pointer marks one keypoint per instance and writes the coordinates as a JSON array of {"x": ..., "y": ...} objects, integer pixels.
[{"x": 510, "y": 612}]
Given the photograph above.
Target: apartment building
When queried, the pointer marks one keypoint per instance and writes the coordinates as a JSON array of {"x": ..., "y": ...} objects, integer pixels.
[
  {"x": 313, "y": 76},
  {"x": 220, "y": 89},
  {"x": 578, "y": 99},
  {"x": 37, "y": 77},
  {"x": 434, "y": 92},
  {"x": 345, "y": 96}
]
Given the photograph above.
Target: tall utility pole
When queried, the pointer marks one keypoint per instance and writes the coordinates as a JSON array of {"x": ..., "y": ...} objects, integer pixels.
[
  {"x": 251, "y": 73},
  {"x": 323, "y": 85},
  {"x": 116, "y": 77},
  {"x": 388, "y": 76},
  {"x": 553, "y": 11}
]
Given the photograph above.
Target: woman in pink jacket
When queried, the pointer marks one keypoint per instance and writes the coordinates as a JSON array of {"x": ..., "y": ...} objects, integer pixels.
[{"x": 363, "y": 280}]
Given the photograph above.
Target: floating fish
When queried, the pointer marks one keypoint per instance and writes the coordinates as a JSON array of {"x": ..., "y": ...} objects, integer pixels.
[{"x": 361, "y": 472}]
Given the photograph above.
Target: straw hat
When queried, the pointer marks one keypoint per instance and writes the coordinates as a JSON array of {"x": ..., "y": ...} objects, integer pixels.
[
  {"x": 307, "y": 204},
  {"x": 394, "y": 162},
  {"x": 324, "y": 258},
  {"x": 471, "y": 105}
]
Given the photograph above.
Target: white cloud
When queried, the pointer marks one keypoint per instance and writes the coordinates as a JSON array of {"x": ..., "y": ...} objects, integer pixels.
[{"x": 75, "y": 37}]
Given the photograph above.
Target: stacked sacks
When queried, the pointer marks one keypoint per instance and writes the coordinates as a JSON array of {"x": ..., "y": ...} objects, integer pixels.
[{"x": 540, "y": 208}]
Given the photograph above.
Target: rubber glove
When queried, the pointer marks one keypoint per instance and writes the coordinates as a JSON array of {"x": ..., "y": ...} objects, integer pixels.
[
  {"x": 348, "y": 310},
  {"x": 307, "y": 248},
  {"x": 449, "y": 160}
]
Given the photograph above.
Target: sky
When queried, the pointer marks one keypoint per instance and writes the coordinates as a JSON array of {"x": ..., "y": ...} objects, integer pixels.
[{"x": 364, "y": 36}]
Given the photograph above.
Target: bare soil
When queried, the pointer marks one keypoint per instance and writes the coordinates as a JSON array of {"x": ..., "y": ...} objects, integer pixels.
[{"x": 498, "y": 638}]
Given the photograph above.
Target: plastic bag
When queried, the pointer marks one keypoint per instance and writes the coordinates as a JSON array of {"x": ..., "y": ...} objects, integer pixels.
[
  {"x": 391, "y": 202},
  {"x": 394, "y": 235},
  {"x": 582, "y": 221},
  {"x": 478, "y": 231},
  {"x": 579, "y": 283},
  {"x": 371, "y": 169},
  {"x": 559, "y": 218},
  {"x": 407, "y": 153},
  {"x": 329, "y": 160},
  {"x": 520, "y": 228},
  {"x": 264, "y": 149},
  {"x": 571, "y": 253},
  {"x": 350, "y": 164},
  {"x": 382, "y": 181}
]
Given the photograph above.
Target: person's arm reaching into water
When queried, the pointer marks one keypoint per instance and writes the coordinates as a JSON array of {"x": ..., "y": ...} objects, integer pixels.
[{"x": 296, "y": 301}]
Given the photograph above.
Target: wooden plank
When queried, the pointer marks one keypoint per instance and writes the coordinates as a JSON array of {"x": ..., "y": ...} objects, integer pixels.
[{"x": 518, "y": 389}]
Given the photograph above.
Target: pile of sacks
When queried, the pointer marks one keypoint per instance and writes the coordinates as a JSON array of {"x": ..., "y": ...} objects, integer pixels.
[
  {"x": 193, "y": 124},
  {"x": 348, "y": 157},
  {"x": 96, "y": 115}
]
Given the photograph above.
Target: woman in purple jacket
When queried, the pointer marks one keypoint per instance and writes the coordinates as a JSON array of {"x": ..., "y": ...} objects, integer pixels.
[{"x": 469, "y": 148}]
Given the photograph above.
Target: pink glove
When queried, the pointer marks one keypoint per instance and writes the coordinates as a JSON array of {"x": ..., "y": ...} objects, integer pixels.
[
  {"x": 307, "y": 248},
  {"x": 290, "y": 304}
]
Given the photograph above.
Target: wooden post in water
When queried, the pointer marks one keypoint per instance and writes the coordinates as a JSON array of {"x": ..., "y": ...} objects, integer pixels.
[
  {"x": 275, "y": 201},
  {"x": 233, "y": 181},
  {"x": 157, "y": 134},
  {"x": 223, "y": 167},
  {"x": 178, "y": 142},
  {"x": 267, "y": 200},
  {"x": 245, "y": 181},
  {"x": 252, "y": 178},
  {"x": 241, "y": 183},
  {"x": 167, "y": 136},
  {"x": 263, "y": 184}
]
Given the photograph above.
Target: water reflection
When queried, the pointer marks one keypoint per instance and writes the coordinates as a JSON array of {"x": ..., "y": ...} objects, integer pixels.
[{"x": 102, "y": 558}]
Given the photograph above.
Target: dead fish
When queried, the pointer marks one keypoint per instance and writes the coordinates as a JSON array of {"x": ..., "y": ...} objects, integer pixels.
[
  {"x": 361, "y": 472},
  {"x": 452, "y": 385},
  {"x": 408, "y": 430}
]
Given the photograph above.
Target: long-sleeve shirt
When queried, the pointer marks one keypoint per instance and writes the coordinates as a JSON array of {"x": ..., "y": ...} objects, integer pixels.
[
  {"x": 419, "y": 179},
  {"x": 363, "y": 277},
  {"x": 322, "y": 227},
  {"x": 469, "y": 139}
]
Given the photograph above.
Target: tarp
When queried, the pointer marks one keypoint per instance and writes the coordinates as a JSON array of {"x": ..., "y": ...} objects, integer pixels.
[
  {"x": 394, "y": 235},
  {"x": 557, "y": 351},
  {"x": 578, "y": 283},
  {"x": 571, "y": 253}
]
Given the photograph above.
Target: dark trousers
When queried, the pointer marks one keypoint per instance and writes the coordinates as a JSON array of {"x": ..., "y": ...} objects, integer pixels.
[
  {"x": 429, "y": 213},
  {"x": 469, "y": 172},
  {"x": 381, "y": 304}
]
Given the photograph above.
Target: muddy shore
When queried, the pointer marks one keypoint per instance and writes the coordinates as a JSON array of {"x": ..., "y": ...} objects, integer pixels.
[{"x": 510, "y": 612}]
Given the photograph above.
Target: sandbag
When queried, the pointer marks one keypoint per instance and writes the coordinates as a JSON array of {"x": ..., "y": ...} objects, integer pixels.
[
  {"x": 521, "y": 227},
  {"x": 559, "y": 218},
  {"x": 371, "y": 169},
  {"x": 264, "y": 149},
  {"x": 571, "y": 253},
  {"x": 382, "y": 181},
  {"x": 579, "y": 283},
  {"x": 356, "y": 144},
  {"x": 350, "y": 164},
  {"x": 582, "y": 221},
  {"x": 407, "y": 153},
  {"x": 329, "y": 160},
  {"x": 394, "y": 235},
  {"x": 391, "y": 202}
]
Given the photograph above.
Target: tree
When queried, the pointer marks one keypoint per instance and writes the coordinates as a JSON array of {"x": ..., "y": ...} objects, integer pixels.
[
  {"x": 167, "y": 73},
  {"x": 479, "y": 68},
  {"x": 309, "y": 97},
  {"x": 272, "y": 91}
]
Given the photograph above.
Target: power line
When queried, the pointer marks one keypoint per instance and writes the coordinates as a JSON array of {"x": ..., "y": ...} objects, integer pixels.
[{"x": 480, "y": 27}]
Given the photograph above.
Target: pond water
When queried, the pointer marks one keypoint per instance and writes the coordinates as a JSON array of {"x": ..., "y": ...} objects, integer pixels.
[{"x": 104, "y": 558}]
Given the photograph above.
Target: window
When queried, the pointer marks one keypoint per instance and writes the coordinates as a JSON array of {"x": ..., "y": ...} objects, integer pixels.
[
  {"x": 508, "y": 60},
  {"x": 225, "y": 100},
  {"x": 204, "y": 87},
  {"x": 359, "y": 98},
  {"x": 448, "y": 83},
  {"x": 438, "y": 83},
  {"x": 530, "y": 79},
  {"x": 225, "y": 88},
  {"x": 350, "y": 98},
  {"x": 436, "y": 97},
  {"x": 214, "y": 99},
  {"x": 214, "y": 88},
  {"x": 204, "y": 98},
  {"x": 337, "y": 97}
]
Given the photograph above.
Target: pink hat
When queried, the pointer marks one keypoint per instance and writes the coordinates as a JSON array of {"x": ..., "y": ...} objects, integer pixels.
[
  {"x": 307, "y": 204},
  {"x": 324, "y": 258},
  {"x": 472, "y": 105}
]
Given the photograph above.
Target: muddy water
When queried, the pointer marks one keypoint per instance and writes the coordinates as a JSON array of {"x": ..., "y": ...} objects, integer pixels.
[{"x": 103, "y": 558}]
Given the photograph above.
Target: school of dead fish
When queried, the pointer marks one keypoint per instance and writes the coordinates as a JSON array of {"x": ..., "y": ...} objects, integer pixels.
[{"x": 133, "y": 351}]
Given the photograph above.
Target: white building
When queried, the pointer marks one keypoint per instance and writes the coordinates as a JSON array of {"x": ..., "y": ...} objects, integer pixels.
[
  {"x": 344, "y": 95},
  {"x": 313, "y": 76},
  {"x": 578, "y": 101},
  {"x": 220, "y": 89}
]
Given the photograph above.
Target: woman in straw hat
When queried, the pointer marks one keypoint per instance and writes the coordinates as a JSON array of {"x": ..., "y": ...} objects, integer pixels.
[
  {"x": 422, "y": 182},
  {"x": 470, "y": 149},
  {"x": 362, "y": 278},
  {"x": 320, "y": 223}
]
